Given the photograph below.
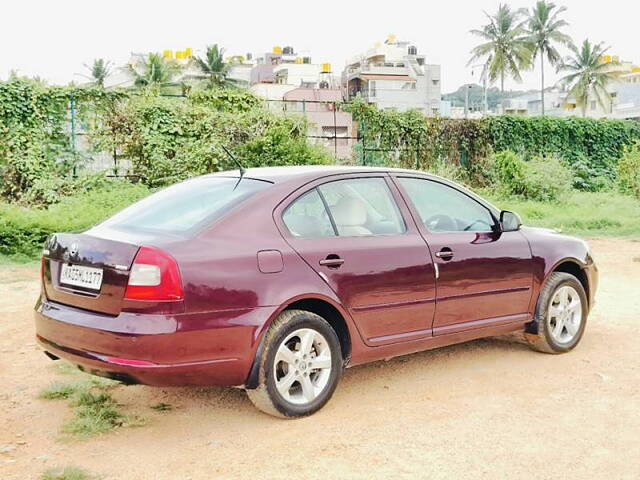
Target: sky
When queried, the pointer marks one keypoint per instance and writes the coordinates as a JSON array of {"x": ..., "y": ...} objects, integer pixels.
[{"x": 52, "y": 39}]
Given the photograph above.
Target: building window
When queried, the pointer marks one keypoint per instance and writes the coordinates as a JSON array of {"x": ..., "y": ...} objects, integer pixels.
[
  {"x": 372, "y": 88},
  {"x": 435, "y": 82}
]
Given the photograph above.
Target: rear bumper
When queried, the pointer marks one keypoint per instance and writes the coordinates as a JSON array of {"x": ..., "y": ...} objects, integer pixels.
[{"x": 214, "y": 348}]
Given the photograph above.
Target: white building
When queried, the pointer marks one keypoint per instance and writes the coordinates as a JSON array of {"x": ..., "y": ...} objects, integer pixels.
[{"x": 393, "y": 76}]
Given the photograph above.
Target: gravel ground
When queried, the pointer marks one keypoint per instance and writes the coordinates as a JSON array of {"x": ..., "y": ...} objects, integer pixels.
[{"x": 486, "y": 409}]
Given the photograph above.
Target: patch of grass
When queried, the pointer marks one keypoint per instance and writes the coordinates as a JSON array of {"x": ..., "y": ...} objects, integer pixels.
[
  {"x": 162, "y": 407},
  {"x": 94, "y": 413},
  {"x": 59, "y": 390},
  {"x": 67, "y": 473},
  {"x": 580, "y": 213},
  {"x": 95, "y": 410}
]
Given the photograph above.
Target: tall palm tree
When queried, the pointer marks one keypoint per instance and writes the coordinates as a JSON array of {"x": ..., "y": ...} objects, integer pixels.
[
  {"x": 99, "y": 71},
  {"x": 589, "y": 75},
  {"x": 544, "y": 34},
  {"x": 153, "y": 70},
  {"x": 505, "y": 49},
  {"x": 213, "y": 68}
]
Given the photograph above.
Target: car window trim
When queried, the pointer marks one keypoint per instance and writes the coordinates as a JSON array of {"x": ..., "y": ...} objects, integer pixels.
[{"x": 414, "y": 209}]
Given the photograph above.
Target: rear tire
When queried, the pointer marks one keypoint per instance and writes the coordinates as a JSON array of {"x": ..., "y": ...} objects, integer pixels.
[
  {"x": 561, "y": 314},
  {"x": 300, "y": 365}
]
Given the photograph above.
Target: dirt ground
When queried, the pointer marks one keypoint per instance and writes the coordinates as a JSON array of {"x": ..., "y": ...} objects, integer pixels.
[{"x": 485, "y": 409}]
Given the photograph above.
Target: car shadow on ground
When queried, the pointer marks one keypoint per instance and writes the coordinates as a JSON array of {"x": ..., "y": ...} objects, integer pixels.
[{"x": 396, "y": 374}]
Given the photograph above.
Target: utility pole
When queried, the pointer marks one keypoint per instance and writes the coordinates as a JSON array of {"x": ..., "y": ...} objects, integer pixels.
[
  {"x": 466, "y": 101},
  {"x": 483, "y": 78}
]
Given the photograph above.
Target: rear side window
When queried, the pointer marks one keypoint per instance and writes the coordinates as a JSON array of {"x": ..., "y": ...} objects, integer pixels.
[
  {"x": 357, "y": 207},
  {"x": 307, "y": 217},
  {"x": 187, "y": 205}
]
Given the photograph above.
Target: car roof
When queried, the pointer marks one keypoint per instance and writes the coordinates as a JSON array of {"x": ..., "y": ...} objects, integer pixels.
[{"x": 309, "y": 172}]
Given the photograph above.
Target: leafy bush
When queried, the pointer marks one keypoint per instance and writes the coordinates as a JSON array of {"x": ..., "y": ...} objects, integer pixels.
[
  {"x": 589, "y": 178},
  {"x": 629, "y": 171},
  {"x": 23, "y": 230},
  {"x": 169, "y": 139},
  {"x": 542, "y": 178}
]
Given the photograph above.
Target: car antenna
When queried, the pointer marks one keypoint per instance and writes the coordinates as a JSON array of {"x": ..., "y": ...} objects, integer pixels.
[{"x": 235, "y": 160}]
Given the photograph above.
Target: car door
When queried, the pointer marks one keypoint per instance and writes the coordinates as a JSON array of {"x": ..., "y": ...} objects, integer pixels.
[
  {"x": 352, "y": 231},
  {"x": 484, "y": 276}
]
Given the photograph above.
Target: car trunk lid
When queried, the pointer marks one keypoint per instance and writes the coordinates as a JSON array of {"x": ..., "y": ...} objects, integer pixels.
[{"x": 86, "y": 271}]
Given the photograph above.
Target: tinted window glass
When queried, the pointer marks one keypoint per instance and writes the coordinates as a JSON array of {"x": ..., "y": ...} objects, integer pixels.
[
  {"x": 307, "y": 217},
  {"x": 445, "y": 209},
  {"x": 186, "y": 205},
  {"x": 363, "y": 206}
]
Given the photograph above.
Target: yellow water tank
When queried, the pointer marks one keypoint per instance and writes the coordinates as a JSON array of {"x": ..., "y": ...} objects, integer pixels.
[
  {"x": 391, "y": 38},
  {"x": 635, "y": 69},
  {"x": 326, "y": 68},
  {"x": 188, "y": 52},
  {"x": 179, "y": 54},
  {"x": 606, "y": 59},
  {"x": 277, "y": 50},
  {"x": 168, "y": 54},
  {"x": 298, "y": 60}
]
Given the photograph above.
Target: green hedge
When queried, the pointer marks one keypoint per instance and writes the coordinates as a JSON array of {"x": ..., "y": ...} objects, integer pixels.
[
  {"x": 23, "y": 230},
  {"x": 591, "y": 146}
]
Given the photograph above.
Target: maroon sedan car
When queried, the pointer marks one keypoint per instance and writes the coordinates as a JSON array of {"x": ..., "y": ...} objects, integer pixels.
[{"x": 278, "y": 279}]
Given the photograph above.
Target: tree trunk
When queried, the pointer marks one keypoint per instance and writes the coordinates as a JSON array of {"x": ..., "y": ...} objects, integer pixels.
[
  {"x": 542, "y": 89},
  {"x": 502, "y": 92}
]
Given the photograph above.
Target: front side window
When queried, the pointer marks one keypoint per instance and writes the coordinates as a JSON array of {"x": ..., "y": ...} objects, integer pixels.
[
  {"x": 445, "y": 209},
  {"x": 362, "y": 206}
]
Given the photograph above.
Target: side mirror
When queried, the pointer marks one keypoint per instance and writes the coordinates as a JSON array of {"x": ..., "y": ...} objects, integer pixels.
[{"x": 509, "y": 221}]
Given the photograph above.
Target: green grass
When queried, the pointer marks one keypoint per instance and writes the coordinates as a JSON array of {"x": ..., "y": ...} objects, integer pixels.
[
  {"x": 67, "y": 473},
  {"x": 95, "y": 411},
  {"x": 580, "y": 213}
]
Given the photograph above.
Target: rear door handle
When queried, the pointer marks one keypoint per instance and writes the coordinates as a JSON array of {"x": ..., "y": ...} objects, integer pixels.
[{"x": 332, "y": 262}]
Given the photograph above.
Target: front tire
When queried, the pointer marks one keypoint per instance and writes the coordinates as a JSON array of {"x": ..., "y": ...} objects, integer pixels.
[
  {"x": 561, "y": 314},
  {"x": 300, "y": 366}
]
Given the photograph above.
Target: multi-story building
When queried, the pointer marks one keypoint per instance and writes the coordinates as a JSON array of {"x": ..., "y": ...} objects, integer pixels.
[{"x": 394, "y": 76}]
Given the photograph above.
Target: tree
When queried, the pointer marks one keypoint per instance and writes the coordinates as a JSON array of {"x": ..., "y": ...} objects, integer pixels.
[
  {"x": 213, "y": 68},
  {"x": 505, "y": 50},
  {"x": 154, "y": 70},
  {"x": 99, "y": 71},
  {"x": 589, "y": 74},
  {"x": 544, "y": 34}
]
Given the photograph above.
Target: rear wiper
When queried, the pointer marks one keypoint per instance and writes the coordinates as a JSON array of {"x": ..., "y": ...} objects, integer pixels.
[{"x": 235, "y": 160}]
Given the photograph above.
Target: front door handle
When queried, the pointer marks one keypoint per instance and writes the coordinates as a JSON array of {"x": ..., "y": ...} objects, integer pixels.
[
  {"x": 445, "y": 254},
  {"x": 332, "y": 261}
]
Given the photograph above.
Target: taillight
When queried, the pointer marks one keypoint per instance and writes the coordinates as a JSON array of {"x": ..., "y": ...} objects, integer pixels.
[{"x": 154, "y": 277}]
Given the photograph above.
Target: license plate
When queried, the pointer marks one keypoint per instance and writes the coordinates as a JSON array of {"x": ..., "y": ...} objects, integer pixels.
[{"x": 79, "y": 276}]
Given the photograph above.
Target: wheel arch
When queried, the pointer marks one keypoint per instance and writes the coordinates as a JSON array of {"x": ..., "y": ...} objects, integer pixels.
[
  {"x": 569, "y": 265},
  {"x": 321, "y": 306}
]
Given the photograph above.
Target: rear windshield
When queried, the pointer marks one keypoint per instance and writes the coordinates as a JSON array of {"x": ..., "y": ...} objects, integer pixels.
[{"x": 187, "y": 205}]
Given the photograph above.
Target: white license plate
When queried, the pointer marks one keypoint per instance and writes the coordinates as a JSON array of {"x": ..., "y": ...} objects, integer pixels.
[{"x": 79, "y": 276}]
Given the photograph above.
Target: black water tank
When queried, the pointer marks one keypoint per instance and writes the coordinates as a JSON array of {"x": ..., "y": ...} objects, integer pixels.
[{"x": 287, "y": 51}]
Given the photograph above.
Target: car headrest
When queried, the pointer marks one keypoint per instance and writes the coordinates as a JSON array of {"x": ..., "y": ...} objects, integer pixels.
[{"x": 349, "y": 211}]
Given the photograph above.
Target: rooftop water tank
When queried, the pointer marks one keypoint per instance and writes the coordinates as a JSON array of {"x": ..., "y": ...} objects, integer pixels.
[{"x": 287, "y": 51}]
